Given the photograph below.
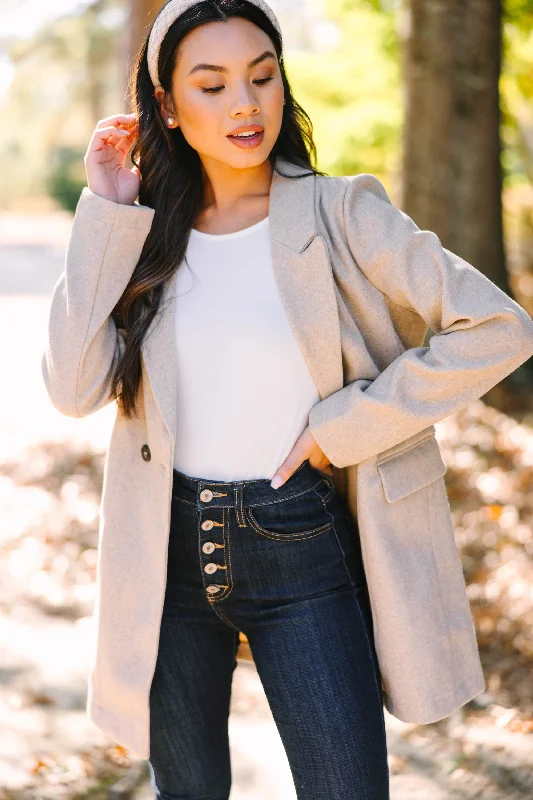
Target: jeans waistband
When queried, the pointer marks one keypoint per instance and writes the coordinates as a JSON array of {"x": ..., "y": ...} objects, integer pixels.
[{"x": 249, "y": 492}]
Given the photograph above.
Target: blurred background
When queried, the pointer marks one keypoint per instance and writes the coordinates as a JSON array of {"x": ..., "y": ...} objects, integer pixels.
[{"x": 435, "y": 97}]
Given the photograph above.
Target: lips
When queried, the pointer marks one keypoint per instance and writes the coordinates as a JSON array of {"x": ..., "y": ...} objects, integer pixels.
[
  {"x": 248, "y": 142},
  {"x": 246, "y": 129},
  {"x": 244, "y": 138}
]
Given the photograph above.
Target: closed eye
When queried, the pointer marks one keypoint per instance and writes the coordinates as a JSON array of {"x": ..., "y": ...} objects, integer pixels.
[{"x": 218, "y": 89}]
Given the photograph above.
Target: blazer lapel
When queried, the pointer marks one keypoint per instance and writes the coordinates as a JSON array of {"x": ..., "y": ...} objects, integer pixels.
[
  {"x": 306, "y": 287},
  {"x": 304, "y": 276}
]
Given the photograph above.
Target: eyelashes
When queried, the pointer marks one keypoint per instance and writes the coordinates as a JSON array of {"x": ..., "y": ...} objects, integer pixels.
[{"x": 218, "y": 89}]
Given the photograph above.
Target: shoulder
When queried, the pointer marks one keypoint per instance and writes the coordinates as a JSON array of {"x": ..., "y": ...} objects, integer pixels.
[
  {"x": 362, "y": 187},
  {"x": 357, "y": 202}
]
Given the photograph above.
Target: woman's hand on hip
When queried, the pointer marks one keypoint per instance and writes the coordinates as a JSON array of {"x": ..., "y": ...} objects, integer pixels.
[{"x": 305, "y": 447}]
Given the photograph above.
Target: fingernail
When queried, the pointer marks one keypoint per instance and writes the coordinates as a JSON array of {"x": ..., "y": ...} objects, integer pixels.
[{"x": 277, "y": 480}]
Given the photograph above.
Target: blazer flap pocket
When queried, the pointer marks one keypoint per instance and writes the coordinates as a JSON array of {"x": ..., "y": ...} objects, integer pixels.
[{"x": 411, "y": 469}]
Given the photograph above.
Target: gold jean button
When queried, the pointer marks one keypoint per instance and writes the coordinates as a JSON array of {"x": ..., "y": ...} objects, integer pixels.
[
  {"x": 212, "y": 589},
  {"x": 210, "y": 568},
  {"x": 207, "y": 525},
  {"x": 206, "y": 495},
  {"x": 208, "y": 547}
]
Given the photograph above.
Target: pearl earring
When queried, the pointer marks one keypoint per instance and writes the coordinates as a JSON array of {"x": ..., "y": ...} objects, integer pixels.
[{"x": 170, "y": 120}]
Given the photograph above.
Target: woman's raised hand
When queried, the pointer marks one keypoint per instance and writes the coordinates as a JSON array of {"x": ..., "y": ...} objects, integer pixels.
[{"x": 105, "y": 158}]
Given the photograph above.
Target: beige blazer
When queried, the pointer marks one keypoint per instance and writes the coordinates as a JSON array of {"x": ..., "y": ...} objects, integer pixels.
[{"x": 360, "y": 284}]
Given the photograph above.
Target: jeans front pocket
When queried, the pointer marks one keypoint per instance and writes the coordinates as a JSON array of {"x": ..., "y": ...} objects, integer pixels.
[{"x": 298, "y": 517}]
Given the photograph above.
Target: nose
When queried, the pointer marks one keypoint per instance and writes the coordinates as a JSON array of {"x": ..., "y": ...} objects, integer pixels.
[{"x": 245, "y": 104}]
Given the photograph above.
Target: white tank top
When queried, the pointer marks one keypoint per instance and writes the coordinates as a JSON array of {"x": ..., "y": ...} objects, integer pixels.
[{"x": 244, "y": 389}]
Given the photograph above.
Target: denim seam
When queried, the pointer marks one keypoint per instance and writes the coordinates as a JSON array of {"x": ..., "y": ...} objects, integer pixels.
[
  {"x": 183, "y": 500},
  {"x": 324, "y": 500},
  {"x": 227, "y": 548},
  {"x": 227, "y": 541},
  {"x": 376, "y": 682},
  {"x": 330, "y": 482},
  {"x": 326, "y": 496},
  {"x": 240, "y": 488},
  {"x": 199, "y": 537},
  {"x": 286, "y": 536},
  {"x": 332, "y": 523},
  {"x": 222, "y": 616},
  {"x": 290, "y": 497},
  {"x": 354, "y": 594},
  {"x": 238, "y": 507},
  {"x": 214, "y": 602}
]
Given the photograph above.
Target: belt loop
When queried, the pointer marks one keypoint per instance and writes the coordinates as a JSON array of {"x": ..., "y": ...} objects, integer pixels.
[{"x": 239, "y": 509}]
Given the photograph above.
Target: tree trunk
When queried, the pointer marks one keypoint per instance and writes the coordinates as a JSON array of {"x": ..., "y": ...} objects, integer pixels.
[
  {"x": 452, "y": 178},
  {"x": 141, "y": 15}
]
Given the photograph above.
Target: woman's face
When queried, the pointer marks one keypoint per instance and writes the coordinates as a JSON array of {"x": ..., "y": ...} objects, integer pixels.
[{"x": 210, "y": 103}]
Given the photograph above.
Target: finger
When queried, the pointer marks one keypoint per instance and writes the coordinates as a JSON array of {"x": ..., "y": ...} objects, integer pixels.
[
  {"x": 284, "y": 472},
  {"x": 110, "y": 135},
  {"x": 130, "y": 126},
  {"x": 106, "y": 132},
  {"x": 116, "y": 119},
  {"x": 127, "y": 141}
]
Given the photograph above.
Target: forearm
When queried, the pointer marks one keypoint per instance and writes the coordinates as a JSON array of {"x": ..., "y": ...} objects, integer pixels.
[
  {"x": 83, "y": 344},
  {"x": 481, "y": 334}
]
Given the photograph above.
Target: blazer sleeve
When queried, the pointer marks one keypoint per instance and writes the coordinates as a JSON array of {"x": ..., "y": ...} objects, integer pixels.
[
  {"x": 83, "y": 344},
  {"x": 481, "y": 334}
]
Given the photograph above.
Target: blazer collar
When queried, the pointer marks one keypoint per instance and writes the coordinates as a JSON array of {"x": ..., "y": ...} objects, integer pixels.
[
  {"x": 305, "y": 283},
  {"x": 292, "y": 206}
]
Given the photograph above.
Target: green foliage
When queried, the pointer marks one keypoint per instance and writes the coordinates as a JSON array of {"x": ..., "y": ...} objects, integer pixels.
[
  {"x": 519, "y": 12},
  {"x": 66, "y": 179},
  {"x": 68, "y": 75},
  {"x": 352, "y": 90},
  {"x": 516, "y": 88}
]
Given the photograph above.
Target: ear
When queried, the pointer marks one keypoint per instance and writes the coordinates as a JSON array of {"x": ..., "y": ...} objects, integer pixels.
[{"x": 165, "y": 103}]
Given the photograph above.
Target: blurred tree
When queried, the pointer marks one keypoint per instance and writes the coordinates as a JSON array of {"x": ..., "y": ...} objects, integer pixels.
[
  {"x": 517, "y": 90},
  {"x": 348, "y": 80},
  {"x": 65, "y": 80},
  {"x": 141, "y": 16},
  {"x": 63, "y": 180},
  {"x": 452, "y": 173}
]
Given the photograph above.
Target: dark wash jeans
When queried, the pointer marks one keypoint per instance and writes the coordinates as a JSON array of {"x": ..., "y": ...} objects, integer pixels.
[{"x": 285, "y": 567}]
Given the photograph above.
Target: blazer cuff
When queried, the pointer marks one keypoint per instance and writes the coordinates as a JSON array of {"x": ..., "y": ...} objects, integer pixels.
[
  {"x": 102, "y": 210},
  {"x": 328, "y": 422}
]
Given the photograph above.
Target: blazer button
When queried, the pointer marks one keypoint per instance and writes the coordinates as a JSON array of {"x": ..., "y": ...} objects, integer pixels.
[{"x": 146, "y": 454}]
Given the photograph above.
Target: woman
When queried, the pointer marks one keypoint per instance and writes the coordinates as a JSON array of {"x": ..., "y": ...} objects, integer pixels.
[{"x": 261, "y": 326}]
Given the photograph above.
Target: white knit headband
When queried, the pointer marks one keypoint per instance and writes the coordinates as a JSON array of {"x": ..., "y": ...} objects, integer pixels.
[{"x": 169, "y": 13}]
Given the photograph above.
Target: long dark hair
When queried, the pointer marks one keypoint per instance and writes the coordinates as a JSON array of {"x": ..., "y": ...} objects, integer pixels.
[{"x": 172, "y": 181}]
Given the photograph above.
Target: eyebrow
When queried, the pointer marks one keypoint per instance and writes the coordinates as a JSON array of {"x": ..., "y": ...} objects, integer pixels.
[{"x": 216, "y": 68}]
